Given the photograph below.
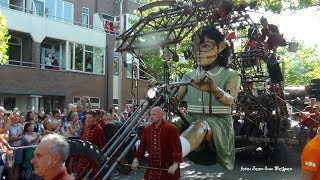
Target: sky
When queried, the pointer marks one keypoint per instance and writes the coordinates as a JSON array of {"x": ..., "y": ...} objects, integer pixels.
[{"x": 302, "y": 25}]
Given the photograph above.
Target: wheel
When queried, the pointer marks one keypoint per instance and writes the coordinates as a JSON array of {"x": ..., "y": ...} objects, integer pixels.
[
  {"x": 87, "y": 153},
  {"x": 110, "y": 129}
]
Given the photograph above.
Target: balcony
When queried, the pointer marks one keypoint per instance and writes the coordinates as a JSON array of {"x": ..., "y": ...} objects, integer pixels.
[{"x": 42, "y": 24}]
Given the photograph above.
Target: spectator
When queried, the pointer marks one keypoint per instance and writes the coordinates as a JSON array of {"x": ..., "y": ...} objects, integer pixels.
[
  {"x": 31, "y": 138},
  {"x": 107, "y": 117},
  {"x": 113, "y": 114},
  {"x": 48, "y": 61},
  {"x": 4, "y": 145},
  {"x": 73, "y": 125},
  {"x": 107, "y": 27},
  {"x": 22, "y": 118},
  {"x": 72, "y": 107},
  {"x": 310, "y": 159},
  {"x": 55, "y": 62},
  {"x": 161, "y": 140},
  {"x": 99, "y": 118},
  {"x": 56, "y": 120},
  {"x": 310, "y": 107},
  {"x": 15, "y": 139},
  {"x": 125, "y": 116},
  {"x": 33, "y": 118},
  {"x": 4, "y": 122},
  {"x": 48, "y": 127},
  {"x": 82, "y": 106},
  {"x": 50, "y": 157}
]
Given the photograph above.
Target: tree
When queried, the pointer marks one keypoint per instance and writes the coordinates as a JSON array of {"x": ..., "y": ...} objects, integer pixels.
[
  {"x": 4, "y": 37},
  {"x": 301, "y": 66}
]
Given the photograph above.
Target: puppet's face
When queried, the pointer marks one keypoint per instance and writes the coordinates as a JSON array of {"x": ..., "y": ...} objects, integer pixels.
[{"x": 206, "y": 53}]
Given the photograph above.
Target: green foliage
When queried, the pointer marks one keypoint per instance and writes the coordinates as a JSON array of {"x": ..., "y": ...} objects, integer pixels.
[
  {"x": 275, "y": 6},
  {"x": 4, "y": 37},
  {"x": 301, "y": 66}
]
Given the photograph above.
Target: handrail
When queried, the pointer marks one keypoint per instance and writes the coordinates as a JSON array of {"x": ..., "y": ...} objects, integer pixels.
[
  {"x": 19, "y": 63},
  {"x": 59, "y": 68}
]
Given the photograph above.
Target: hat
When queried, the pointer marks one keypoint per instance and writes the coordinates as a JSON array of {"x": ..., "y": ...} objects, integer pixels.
[{"x": 125, "y": 112}]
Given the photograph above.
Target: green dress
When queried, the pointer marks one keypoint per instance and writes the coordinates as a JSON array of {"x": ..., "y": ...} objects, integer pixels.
[{"x": 220, "y": 121}]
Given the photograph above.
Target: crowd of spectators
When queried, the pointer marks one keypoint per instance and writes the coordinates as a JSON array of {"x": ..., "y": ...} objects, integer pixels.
[{"x": 27, "y": 129}]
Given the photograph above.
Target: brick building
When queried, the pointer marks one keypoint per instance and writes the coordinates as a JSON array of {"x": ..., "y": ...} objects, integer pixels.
[{"x": 81, "y": 35}]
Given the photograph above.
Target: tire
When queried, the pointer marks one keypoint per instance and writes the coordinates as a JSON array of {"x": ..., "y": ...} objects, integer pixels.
[{"x": 84, "y": 150}]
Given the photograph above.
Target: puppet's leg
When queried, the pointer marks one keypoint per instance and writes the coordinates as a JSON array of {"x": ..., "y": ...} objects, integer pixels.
[{"x": 194, "y": 135}]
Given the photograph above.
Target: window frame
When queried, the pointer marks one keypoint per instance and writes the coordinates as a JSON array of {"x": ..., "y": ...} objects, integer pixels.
[
  {"x": 88, "y": 17},
  {"x": 72, "y": 45},
  {"x": 21, "y": 46}
]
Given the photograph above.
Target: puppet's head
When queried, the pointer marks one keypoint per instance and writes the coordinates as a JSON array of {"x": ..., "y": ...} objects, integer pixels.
[{"x": 210, "y": 48}]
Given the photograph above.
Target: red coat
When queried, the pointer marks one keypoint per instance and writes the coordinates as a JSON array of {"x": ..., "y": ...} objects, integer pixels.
[
  {"x": 164, "y": 148},
  {"x": 95, "y": 135},
  {"x": 274, "y": 36},
  {"x": 63, "y": 175}
]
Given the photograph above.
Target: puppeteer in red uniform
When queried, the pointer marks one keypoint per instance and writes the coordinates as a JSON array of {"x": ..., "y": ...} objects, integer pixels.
[
  {"x": 271, "y": 31},
  {"x": 164, "y": 148},
  {"x": 93, "y": 133}
]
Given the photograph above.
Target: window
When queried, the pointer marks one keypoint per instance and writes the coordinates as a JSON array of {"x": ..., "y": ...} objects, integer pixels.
[
  {"x": 4, "y": 3},
  {"x": 52, "y": 49},
  {"x": 115, "y": 102},
  {"x": 76, "y": 99},
  {"x": 9, "y": 103},
  {"x": 54, "y": 9},
  {"x": 110, "y": 24},
  {"x": 130, "y": 63},
  {"x": 16, "y": 5},
  {"x": 107, "y": 17},
  {"x": 68, "y": 12},
  {"x": 71, "y": 55},
  {"x": 116, "y": 63},
  {"x": 79, "y": 57},
  {"x": 98, "y": 60},
  {"x": 50, "y": 9},
  {"x": 59, "y": 10},
  {"x": 38, "y": 7},
  {"x": 85, "y": 17},
  {"x": 86, "y": 58},
  {"x": 14, "y": 51},
  {"x": 95, "y": 102}
]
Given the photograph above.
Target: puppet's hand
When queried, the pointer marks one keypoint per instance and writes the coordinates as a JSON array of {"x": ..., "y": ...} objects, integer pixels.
[{"x": 204, "y": 83}]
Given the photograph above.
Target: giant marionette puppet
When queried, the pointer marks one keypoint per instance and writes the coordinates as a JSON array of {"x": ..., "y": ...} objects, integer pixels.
[{"x": 210, "y": 98}]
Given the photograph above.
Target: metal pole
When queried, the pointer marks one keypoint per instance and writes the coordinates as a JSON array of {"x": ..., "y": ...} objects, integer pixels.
[{"x": 120, "y": 62}]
